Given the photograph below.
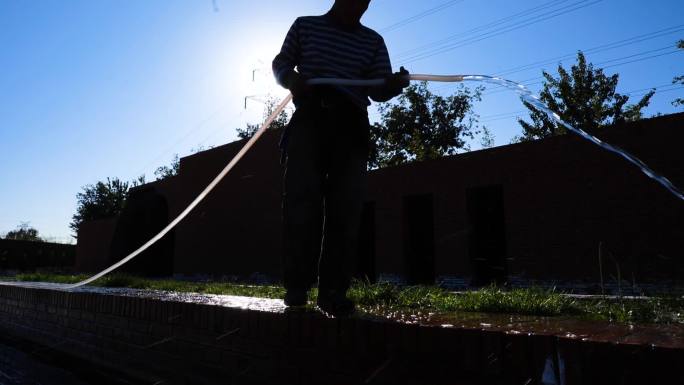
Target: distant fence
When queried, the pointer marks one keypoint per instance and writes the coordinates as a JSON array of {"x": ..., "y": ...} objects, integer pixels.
[{"x": 29, "y": 256}]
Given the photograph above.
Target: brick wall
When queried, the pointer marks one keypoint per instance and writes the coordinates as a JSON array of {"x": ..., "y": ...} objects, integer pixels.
[
  {"x": 29, "y": 255},
  {"x": 94, "y": 244},
  {"x": 170, "y": 342},
  {"x": 562, "y": 196}
]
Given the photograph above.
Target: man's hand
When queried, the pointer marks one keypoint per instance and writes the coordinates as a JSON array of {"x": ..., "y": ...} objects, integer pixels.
[
  {"x": 297, "y": 85},
  {"x": 397, "y": 81}
]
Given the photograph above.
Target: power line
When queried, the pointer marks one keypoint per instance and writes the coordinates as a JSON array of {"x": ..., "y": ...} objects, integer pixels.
[
  {"x": 597, "y": 49},
  {"x": 526, "y": 12},
  {"x": 517, "y": 115},
  {"x": 539, "y": 79},
  {"x": 501, "y": 31},
  {"x": 532, "y": 82},
  {"x": 419, "y": 16},
  {"x": 667, "y": 87},
  {"x": 504, "y": 115},
  {"x": 642, "y": 59},
  {"x": 648, "y": 88},
  {"x": 200, "y": 144},
  {"x": 391, "y": 27},
  {"x": 593, "y": 50},
  {"x": 182, "y": 139},
  {"x": 497, "y": 32},
  {"x": 501, "y": 114}
]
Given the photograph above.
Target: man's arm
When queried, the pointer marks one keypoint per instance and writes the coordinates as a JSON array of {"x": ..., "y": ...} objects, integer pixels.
[
  {"x": 285, "y": 62},
  {"x": 382, "y": 68}
]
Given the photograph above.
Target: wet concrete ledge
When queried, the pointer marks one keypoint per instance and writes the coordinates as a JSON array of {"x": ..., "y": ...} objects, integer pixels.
[{"x": 171, "y": 338}]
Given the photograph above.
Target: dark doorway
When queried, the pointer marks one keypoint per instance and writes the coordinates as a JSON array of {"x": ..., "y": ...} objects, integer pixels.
[
  {"x": 487, "y": 235},
  {"x": 143, "y": 217},
  {"x": 365, "y": 267},
  {"x": 419, "y": 239}
]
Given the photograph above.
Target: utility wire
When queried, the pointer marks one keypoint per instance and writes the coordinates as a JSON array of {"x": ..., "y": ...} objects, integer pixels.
[
  {"x": 489, "y": 120},
  {"x": 593, "y": 50},
  {"x": 540, "y": 79},
  {"x": 597, "y": 49},
  {"x": 526, "y": 12},
  {"x": 666, "y": 87},
  {"x": 215, "y": 7},
  {"x": 505, "y": 115},
  {"x": 672, "y": 87},
  {"x": 645, "y": 58},
  {"x": 168, "y": 149},
  {"x": 499, "y": 31},
  {"x": 419, "y": 16}
]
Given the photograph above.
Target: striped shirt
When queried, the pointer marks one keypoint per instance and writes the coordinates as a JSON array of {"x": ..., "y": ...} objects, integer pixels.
[{"x": 319, "y": 49}]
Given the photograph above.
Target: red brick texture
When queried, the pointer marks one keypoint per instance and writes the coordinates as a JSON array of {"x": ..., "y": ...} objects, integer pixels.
[
  {"x": 187, "y": 343},
  {"x": 562, "y": 196}
]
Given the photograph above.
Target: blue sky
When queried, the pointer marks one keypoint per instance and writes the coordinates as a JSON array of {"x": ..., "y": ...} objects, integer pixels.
[{"x": 97, "y": 89}]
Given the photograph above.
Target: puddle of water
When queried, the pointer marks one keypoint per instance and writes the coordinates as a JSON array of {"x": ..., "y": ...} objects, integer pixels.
[
  {"x": 245, "y": 303},
  {"x": 670, "y": 336}
]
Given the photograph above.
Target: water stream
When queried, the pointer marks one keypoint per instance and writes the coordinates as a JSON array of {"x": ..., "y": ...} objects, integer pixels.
[{"x": 527, "y": 96}]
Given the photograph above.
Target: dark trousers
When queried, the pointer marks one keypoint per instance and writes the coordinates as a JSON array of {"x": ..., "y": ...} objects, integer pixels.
[{"x": 326, "y": 147}]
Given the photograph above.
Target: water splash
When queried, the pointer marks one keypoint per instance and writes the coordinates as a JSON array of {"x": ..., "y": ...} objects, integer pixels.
[{"x": 527, "y": 96}]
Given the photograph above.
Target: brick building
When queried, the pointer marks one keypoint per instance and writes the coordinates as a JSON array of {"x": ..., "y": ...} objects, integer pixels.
[{"x": 521, "y": 212}]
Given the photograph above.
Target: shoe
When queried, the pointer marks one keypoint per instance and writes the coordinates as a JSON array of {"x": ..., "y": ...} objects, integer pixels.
[
  {"x": 335, "y": 303},
  {"x": 295, "y": 297}
]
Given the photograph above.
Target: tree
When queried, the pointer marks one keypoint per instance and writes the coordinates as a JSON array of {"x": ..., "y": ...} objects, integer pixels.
[
  {"x": 164, "y": 172},
  {"x": 24, "y": 232},
  {"x": 422, "y": 126},
  {"x": 172, "y": 169},
  {"x": 584, "y": 98},
  {"x": 101, "y": 200},
  {"x": 487, "y": 138},
  {"x": 679, "y": 79},
  {"x": 278, "y": 124}
]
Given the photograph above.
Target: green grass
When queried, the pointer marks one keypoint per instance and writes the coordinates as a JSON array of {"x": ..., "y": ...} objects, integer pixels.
[
  {"x": 130, "y": 281},
  {"x": 533, "y": 301},
  {"x": 485, "y": 300}
]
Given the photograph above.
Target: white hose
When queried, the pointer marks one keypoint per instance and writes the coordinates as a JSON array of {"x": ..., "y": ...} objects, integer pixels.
[
  {"x": 267, "y": 123},
  {"x": 236, "y": 158},
  {"x": 379, "y": 82},
  {"x": 197, "y": 200}
]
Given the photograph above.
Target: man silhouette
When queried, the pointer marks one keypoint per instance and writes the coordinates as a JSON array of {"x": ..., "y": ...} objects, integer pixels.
[{"x": 325, "y": 148}]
